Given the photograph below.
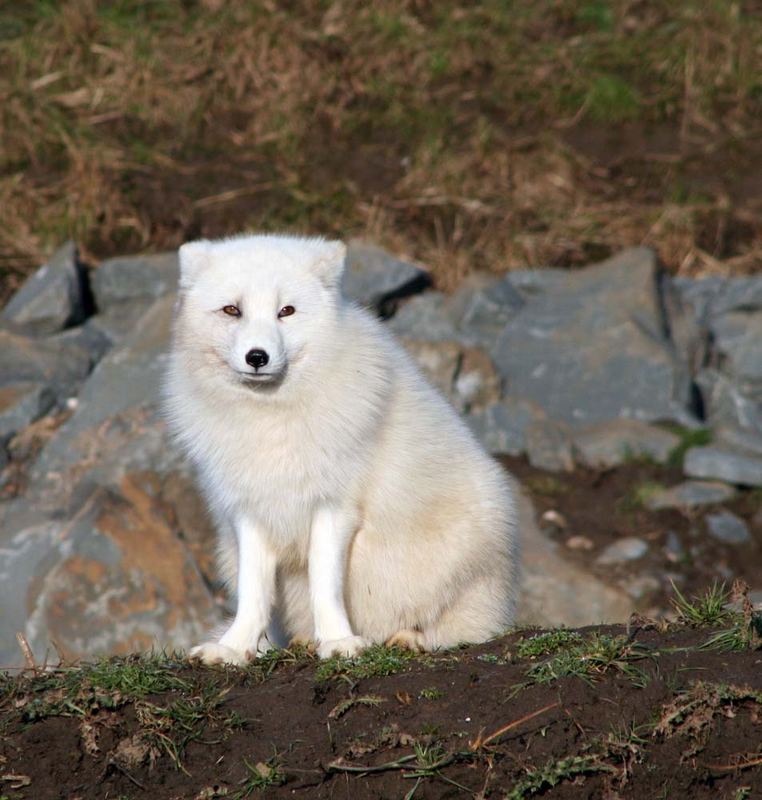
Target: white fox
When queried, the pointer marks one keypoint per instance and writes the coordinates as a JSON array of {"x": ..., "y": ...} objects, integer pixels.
[{"x": 353, "y": 505}]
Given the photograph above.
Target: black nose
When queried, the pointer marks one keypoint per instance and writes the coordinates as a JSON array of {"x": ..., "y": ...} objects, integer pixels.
[{"x": 257, "y": 358}]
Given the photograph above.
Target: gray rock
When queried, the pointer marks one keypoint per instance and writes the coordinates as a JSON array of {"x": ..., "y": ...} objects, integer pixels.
[
  {"x": 595, "y": 347},
  {"x": 373, "y": 277},
  {"x": 724, "y": 465},
  {"x": 628, "y": 548},
  {"x": 117, "y": 426},
  {"x": 52, "y": 298},
  {"x": 502, "y": 427},
  {"x": 117, "y": 321},
  {"x": 673, "y": 548},
  {"x": 549, "y": 446},
  {"x": 745, "y": 440},
  {"x": 727, "y": 404},
  {"x": 425, "y": 317},
  {"x": 21, "y": 404},
  {"x": 737, "y": 337},
  {"x": 691, "y": 494},
  {"x": 464, "y": 375},
  {"x": 534, "y": 281},
  {"x": 642, "y": 586},
  {"x": 613, "y": 442},
  {"x": 555, "y": 591},
  {"x": 146, "y": 277},
  {"x": 482, "y": 307},
  {"x": 726, "y": 527},
  {"x": 60, "y": 362},
  {"x": 112, "y": 578}
]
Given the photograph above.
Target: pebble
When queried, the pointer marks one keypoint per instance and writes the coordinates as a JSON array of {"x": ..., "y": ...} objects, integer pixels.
[
  {"x": 579, "y": 543},
  {"x": 628, "y": 548},
  {"x": 727, "y": 527},
  {"x": 690, "y": 494}
]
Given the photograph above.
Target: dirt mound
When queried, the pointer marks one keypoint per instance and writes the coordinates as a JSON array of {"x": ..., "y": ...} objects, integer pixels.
[{"x": 614, "y": 712}]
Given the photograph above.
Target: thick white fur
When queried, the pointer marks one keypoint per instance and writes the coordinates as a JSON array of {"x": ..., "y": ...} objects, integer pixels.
[{"x": 353, "y": 505}]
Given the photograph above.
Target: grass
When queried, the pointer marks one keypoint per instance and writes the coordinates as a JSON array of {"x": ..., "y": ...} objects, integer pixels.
[
  {"x": 259, "y": 777},
  {"x": 698, "y": 437},
  {"x": 376, "y": 661},
  {"x": 438, "y": 129},
  {"x": 554, "y": 772},
  {"x": 587, "y": 659},
  {"x": 544, "y": 644}
]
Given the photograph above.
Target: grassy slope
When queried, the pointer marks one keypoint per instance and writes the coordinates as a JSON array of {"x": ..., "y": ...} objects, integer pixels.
[{"x": 439, "y": 128}]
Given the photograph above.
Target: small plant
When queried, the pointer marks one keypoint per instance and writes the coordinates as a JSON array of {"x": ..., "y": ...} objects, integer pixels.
[
  {"x": 544, "y": 644},
  {"x": 261, "y": 775},
  {"x": 553, "y": 772},
  {"x": 705, "y": 610},
  {"x": 376, "y": 661},
  {"x": 698, "y": 437},
  {"x": 430, "y": 693}
]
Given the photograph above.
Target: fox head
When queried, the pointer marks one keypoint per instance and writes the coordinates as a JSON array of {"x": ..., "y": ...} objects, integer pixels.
[{"x": 255, "y": 310}]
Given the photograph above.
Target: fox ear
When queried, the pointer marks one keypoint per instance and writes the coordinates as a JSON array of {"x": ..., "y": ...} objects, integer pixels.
[
  {"x": 193, "y": 257},
  {"x": 329, "y": 264}
]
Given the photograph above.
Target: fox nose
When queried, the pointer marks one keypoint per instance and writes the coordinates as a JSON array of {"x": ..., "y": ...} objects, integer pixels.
[{"x": 257, "y": 358}]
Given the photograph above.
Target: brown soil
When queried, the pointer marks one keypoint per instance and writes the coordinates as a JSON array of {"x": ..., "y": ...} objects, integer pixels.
[
  {"x": 685, "y": 724},
  {"x": 598, "y": 507}
]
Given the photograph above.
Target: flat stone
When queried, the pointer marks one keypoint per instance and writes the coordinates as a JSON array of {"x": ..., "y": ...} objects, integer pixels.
[
  {"x": 502, "y": 427},
  {"x": 51, "y": 298},
  {"x": 726, "y": 527},
  {"x": 549, "y": 446},
  {"x": 691, "y": 494},
  {"x": 628, "y": 548},
  {"x": 555, "y": 591},
  {"x": 614, "y": 442},
  {"x": 595, "y": 347},
  {"x": 737, "y": 337},
  {"x": 126, "y": 279},
  {"x": 642, "y": 586},
  {"x": 742, "y": 440},
  {"x": 60, "y": 362},
  {"x": 464, "y": 375},
  {"x": 724, "y": 465},
  {"x": 21, "y": 404},
  {"x": 373, "y": 277}
]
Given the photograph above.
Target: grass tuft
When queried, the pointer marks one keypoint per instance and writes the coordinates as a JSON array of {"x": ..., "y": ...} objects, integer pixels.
[{"x": 376, "y": 661}]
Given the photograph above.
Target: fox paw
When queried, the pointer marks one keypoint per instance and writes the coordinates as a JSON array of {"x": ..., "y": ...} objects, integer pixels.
[
  {"x": 348, "y": 646},
  {"x": 215, "y": 653},
  {"x": 408, "y": 640}
]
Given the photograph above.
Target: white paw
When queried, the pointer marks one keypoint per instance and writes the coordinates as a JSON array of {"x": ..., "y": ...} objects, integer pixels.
[
  {"x": 216, "y": 653},
  {"x": 348, "y": 646}
]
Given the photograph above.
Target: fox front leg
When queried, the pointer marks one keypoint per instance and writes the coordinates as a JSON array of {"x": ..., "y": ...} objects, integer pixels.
[
  {"x": 255, "y": 596},
  {"x": 330, "y": 536}
]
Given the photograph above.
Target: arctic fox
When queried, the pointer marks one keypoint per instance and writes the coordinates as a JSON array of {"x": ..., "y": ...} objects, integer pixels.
[{"x": 353, "y": 505}]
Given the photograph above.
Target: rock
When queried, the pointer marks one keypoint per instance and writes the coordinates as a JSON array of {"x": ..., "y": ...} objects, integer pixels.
[
  {"x": 557, "y": 592},
  {"x": 549, "y": 446},
  {"x": 745, "y": 440},
  {"x": 118, "y": 424},
  {"x": 127, "y": 279},
  {"x": 724, "y": 465},
  {"x": 737, "y": 337},
  {"x": 534, "y": 281},
  {"x": 21, "y": 404},
  {"x": 60, "y": 362},
  {"x": 578, "y": 542},
  {"x": 502, "y": 427},
  {"x": 628, "y": 548},
  {"x": 614, "y": 442},
  {"x": 52, "y": 298},
  {"x": 374, "y": 278},
  {"x": 425, "y": 317},
  {"x": 595, "y": 346},
  {"x": 642, "y": 586},
  {"x": 726, "y": 527},
  {"x": 464, "y": 375},
  {"x": 673, "y": 548},
  {"x": 482, "y": 307},
  {"x": 726, "y": 404},
  {"x": 115, "y": 578},
  {"x": 691, "y": 494}
]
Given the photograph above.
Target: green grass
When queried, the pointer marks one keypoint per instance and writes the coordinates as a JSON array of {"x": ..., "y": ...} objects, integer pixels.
[
  {"x": 587, "y": 659},
  {"x": 706, "y": 610},
  {"x": 260, "y": 777},
  {"x": 376, "y": 661},
  {"x": 544, "y": 644},
  {"x": 698, "y": 437}
]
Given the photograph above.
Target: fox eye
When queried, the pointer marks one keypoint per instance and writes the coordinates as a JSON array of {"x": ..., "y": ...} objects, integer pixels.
[
  {"x": 286, "y": 311},
  {"x": 231, "y": 311}
]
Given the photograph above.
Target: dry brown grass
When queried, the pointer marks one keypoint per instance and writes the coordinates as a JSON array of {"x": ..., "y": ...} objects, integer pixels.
[{"x": 487, "y": 135}]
